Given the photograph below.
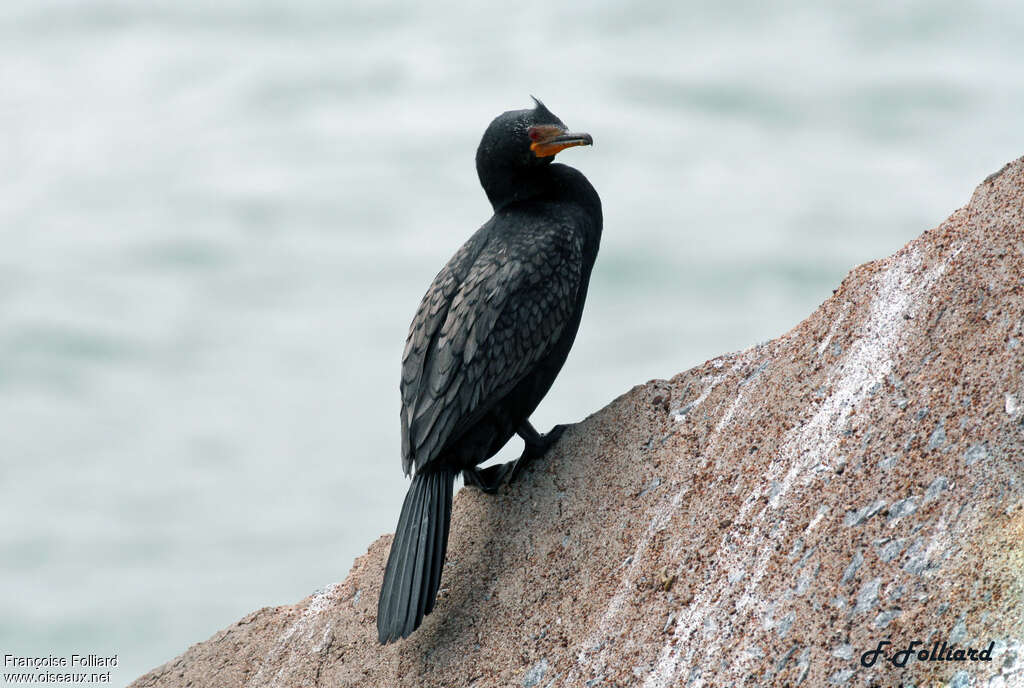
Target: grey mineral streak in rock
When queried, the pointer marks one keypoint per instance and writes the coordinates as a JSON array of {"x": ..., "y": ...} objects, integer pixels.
[
  {"x": 841, "y": 678},
  {"x": 680, "y": 413},
  {"x": 1012, "y": 405},
  {"x": 535, "y": 674},
  {"x": 803, "y": 583},
  {"x": 851, "y": 569},
  {"x": 962, "y": 679},
  {"x": 868, "y": 595},
  {"x": 938, "y": 437},
  {"x": 784, "y": 660},
  {"x": 803, "y": 663},
  {"x": 891, "y": 549},
  {"x": 911, "y": 438},
  {"x": 975, "y": 453},
  {"x": 805, "y": 558},
  {"x": 798, "y": 547},
  {"x": 785, "y": 624},
  {"x": 917, "y": 557},
  {"x": 654, "y": 484},
  {"x": 958, "y": 633},
  {"x": 935, "y": 490},
  {"x": 903, "y": 508},
  {"x": 884, "y": 618},
  {"x": 757, "y": 371},
  {"x": 844, "y": 651},
  {"x": 855, "y": 518},
  {"x": 888, "y": 462}
]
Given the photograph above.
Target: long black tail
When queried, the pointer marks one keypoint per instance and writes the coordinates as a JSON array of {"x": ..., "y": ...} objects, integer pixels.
[{"x": 413, "y": 573}]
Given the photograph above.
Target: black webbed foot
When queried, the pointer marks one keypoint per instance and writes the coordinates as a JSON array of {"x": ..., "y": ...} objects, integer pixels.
[
  {"x": 490, "y": 479},
  {"x": 537, "y": 445},
  {"x": 487, "y": 479}
]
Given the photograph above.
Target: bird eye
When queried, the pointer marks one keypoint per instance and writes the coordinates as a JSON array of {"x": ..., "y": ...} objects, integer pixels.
[{"x": 534, "y": 134}]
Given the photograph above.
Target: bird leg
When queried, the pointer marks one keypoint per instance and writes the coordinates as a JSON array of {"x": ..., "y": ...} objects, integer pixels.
[
  {"x": 536, "y": 446},
  {"x": 493, "y": 477},
  {"x": 487, "y": 479}
]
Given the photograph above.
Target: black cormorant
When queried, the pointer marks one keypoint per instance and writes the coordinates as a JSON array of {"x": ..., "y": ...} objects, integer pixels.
[{"x": 487, "y": 341}]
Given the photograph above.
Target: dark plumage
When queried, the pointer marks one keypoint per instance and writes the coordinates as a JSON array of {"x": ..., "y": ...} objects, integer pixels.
[{"x": 487, "y": 341}]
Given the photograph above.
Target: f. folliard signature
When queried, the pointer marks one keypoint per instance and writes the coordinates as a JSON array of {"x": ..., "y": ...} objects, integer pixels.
[{"x": 939, "y": 652}]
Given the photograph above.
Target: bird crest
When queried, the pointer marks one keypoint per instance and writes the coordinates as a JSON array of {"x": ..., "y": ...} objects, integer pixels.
[{"x": 541, "y": 109}]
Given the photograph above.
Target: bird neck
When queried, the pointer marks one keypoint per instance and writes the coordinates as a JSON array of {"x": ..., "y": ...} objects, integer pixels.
[{"x": 548, "y": 183}]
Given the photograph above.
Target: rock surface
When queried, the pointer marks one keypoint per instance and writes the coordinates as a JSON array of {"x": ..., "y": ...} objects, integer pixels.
[{"x": 763, "y": 519}]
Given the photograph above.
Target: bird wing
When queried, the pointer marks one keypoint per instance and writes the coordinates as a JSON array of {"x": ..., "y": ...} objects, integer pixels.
[{"x": 473, "y": 339}]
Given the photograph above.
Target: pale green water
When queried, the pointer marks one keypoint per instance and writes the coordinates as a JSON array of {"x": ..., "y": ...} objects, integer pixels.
[{"x": 218, "y": 219}]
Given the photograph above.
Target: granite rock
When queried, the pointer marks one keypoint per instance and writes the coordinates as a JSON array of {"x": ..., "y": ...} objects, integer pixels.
[{"x": 713, "y": 547}]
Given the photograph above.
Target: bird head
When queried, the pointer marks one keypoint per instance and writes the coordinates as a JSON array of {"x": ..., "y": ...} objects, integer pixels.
[{"x": 519, "y": 140}]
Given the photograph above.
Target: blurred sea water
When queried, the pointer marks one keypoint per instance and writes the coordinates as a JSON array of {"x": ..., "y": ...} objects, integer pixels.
[{"x": 218, "y": 219}]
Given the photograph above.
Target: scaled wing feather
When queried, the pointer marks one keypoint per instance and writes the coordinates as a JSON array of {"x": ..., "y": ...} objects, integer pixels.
[{"x": 486, "y": 321}]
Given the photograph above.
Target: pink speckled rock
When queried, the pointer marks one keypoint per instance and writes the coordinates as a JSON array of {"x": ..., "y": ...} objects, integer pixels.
[{"x": 763, "y": 519}]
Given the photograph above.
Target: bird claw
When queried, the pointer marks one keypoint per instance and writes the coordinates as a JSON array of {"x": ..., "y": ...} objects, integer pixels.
[
  {"x": 551, "y": 437},
  {"x": 535, "y": 450},
  {"x": 490, "y": 479}
]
